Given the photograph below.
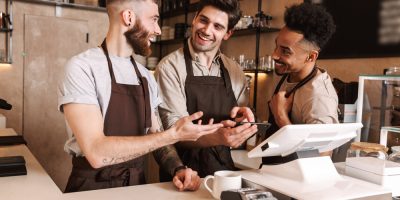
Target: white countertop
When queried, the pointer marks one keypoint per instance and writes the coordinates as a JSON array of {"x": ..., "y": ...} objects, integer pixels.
[{"x": 37, "y": 184}]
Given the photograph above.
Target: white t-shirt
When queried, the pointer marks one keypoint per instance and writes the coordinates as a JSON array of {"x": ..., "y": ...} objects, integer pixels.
[{"x": 87, "y": 80}]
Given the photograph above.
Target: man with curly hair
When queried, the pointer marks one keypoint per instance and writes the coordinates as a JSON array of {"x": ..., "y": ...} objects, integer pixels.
[{"x": 305, "y": 93}]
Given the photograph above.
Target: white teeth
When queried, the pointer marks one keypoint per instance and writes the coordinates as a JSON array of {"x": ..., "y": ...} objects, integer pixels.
[
  {"x": 203, "y": 38},
  {"x": 152, "y": 39}
]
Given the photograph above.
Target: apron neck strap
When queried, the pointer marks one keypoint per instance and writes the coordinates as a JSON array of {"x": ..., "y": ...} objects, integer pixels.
[
  {"x": 308, "y": 78},
  {"x": 189, "y": 66},
  {"x": 105, "y": 50}
]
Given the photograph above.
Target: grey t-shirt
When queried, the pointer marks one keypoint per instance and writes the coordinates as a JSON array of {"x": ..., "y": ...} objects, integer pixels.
[{"x": 87, "y": 81}]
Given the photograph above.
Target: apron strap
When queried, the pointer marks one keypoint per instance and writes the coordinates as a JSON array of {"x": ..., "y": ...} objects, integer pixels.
[
  {"x": 308, "y": 78},
  {"x": 188, "y": 59},
  {"x": 142, "y": 81},
  {"x": 189, "y": 67},
  {"x": 104, "y": 47},
  {"x": 144, "y": 84}
]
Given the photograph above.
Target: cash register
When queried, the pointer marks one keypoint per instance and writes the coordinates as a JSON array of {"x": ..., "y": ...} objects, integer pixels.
[{"x": 310, "y": 177}]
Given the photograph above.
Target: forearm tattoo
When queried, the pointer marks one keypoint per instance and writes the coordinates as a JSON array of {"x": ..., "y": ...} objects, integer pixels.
[{"x": 167, "y": 158}]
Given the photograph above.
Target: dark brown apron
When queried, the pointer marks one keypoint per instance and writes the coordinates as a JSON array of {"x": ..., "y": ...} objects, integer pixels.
[
  {"x": 214, "y": 96},
  {"x": 128, "y": 114},
  {"x": 273, "y": 160}
]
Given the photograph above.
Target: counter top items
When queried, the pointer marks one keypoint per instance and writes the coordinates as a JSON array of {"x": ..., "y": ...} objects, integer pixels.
[
  {"x": 313, "y": 179},
  {"x": 221, "y": 181},
  {"x": 366, "y": 149},
  {"x": 382, "y": 172},
  {"x": 152, "y": 63},
  {"x": 4, "y": 105},
  {"x": 305, "y": 137},
  {"x": 12, "y": 166},
  {"x": 247, "y": 194},
  {"x": 11, "y": 140}
]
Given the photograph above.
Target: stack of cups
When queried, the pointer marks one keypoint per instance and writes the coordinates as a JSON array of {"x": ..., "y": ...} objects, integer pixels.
[
  {"x": 165, "y": 30},
  {"x": 152, "y": 62},
  {"x": 171, "y": 33},
  {"x": 140, "y": 59}
]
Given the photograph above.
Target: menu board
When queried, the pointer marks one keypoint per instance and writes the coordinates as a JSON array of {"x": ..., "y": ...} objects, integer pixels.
[{"x": 364, "y": 28}]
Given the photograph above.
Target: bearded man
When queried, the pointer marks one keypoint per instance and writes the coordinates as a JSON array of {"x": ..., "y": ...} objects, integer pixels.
[{"x": 110, "y": 105}]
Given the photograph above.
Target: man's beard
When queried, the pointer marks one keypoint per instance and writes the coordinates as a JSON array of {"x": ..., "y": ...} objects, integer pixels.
[{"x": 138, "y": 38}]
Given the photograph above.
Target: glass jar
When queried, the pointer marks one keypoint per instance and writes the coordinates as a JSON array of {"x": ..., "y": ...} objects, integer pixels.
[
  {"x": 395, "y": 156},
  {"x": 392, "y": 71},
  {"x": 247, "y": 21},
  {"x": 365, "y": 149}
]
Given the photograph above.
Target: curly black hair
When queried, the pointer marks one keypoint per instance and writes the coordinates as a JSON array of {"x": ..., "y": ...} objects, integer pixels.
[
  {"x": 231, "y": 7},
  {"x": 313, "y": 21}
]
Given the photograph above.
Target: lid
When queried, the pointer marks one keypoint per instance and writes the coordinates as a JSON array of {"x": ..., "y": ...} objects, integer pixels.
[{"x": 368, "y": 147}]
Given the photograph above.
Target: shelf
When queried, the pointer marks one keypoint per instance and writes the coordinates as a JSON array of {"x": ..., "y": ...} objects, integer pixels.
[
  {"x": 259, "y": 71},
  {"x": 240, "y": 32},
  {"x": 250, "y": 31},
  {"x": 181, "y": 11},
  {"x": 5, "y": 30},
  {"x": 167, "y": 42},
  {"x": 62, "y": 4}
]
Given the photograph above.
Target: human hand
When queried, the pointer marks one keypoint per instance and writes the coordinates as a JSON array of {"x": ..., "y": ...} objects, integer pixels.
[
  {"x": 242, "y": 114},
  {"x": 234, "y": 136},
  {"x": 186, "y": 179},
  {"x": 280, "y": 107},
  {"x": 185, "y": 130}
]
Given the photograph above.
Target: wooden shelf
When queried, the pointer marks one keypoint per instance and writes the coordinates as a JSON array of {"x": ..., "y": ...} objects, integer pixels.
[
  {"x": 259, "y": 71},
  {"x": 241, "y": 32},
  {"x": 62, "y": 4},
  {"x": 5, "y": 30},
  {"x": 181, "y": 11},
  {"x": 251, "y": 31},
  {"x": 168, "y": 42}
]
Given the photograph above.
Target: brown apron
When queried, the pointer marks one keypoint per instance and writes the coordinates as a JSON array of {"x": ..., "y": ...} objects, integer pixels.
[
  {"x": 214, "y": 96},
  {"x": 272, "y": 160},
  {"x": 128, "y": 114}
]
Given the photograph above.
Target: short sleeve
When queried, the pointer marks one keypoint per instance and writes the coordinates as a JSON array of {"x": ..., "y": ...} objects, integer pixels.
[{"x": 77, "y": 84}]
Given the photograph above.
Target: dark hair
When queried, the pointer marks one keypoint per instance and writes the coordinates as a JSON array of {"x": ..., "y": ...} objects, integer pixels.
[
  {"x": 313, "y": 21},
  {"x": 230, "y": 7}
]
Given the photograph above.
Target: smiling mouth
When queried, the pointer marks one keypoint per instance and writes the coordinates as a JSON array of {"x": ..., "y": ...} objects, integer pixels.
[
  {"x": 152, "y": 38},
  {"x": 202, "y": 37}
]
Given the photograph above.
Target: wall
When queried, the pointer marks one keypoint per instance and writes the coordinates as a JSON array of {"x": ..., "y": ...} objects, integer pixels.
[{"x": 13, "y": 79}]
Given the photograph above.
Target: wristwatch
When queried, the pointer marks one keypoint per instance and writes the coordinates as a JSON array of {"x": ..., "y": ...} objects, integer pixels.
[{"x": 179, "y": 168}]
